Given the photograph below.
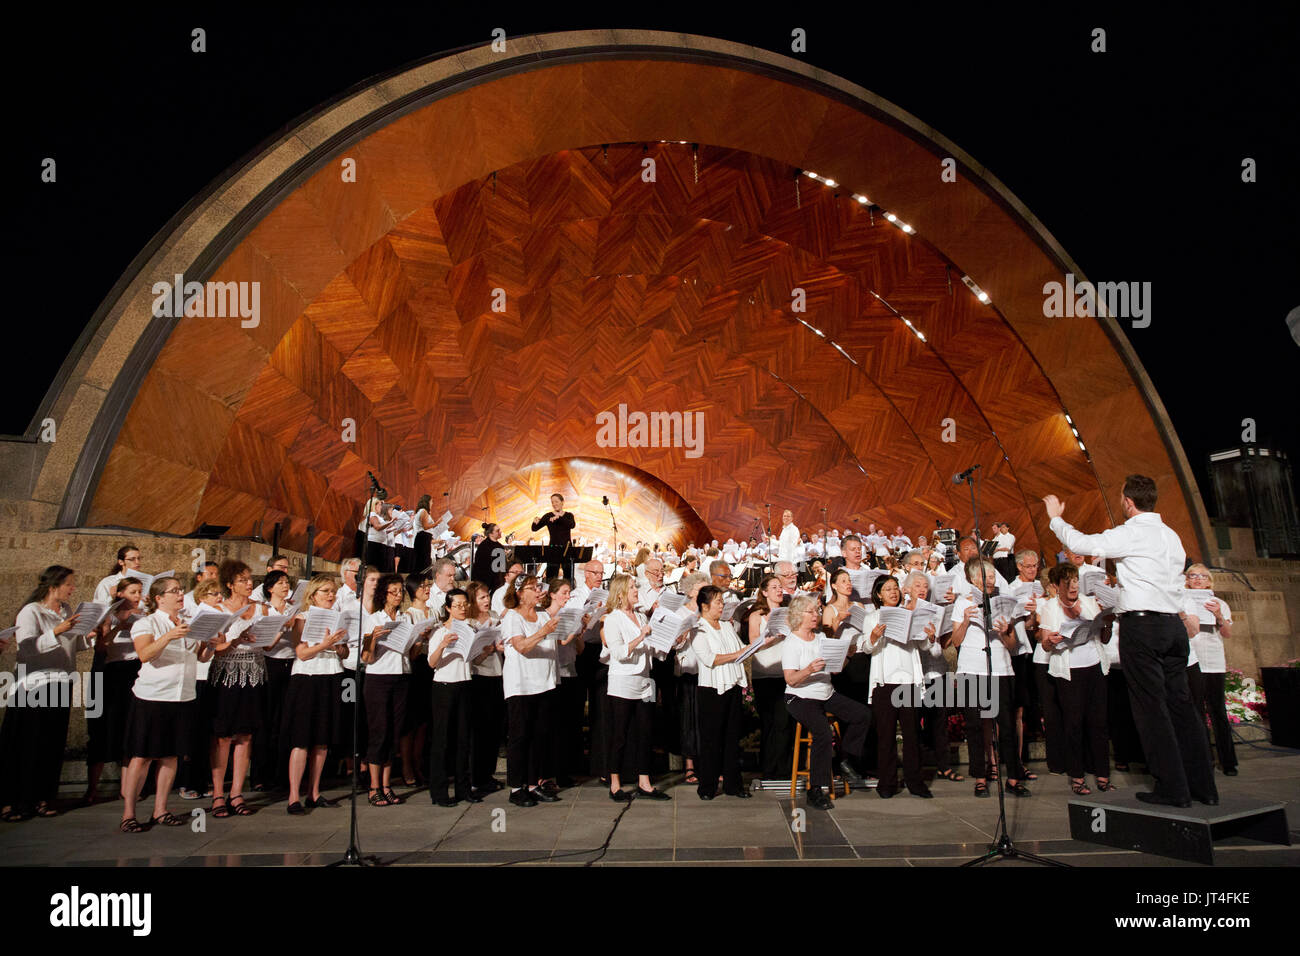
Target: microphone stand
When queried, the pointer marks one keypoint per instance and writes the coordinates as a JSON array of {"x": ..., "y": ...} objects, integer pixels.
[
  {"x": 769, "y": 534},
  {"x": 1002, "y": 847},
  {"x": 614, "y": 522},
  {"x": 352, "y": 856}
]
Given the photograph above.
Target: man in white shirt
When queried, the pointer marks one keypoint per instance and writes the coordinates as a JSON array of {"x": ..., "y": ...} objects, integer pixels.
[
  {"x": 444, "y": 579},
  {"x": 592, "y": 574},
  {"x": 1149, "y": 559},
  {"x": 787, "y": 545},
  {"x": 900, "y": 540},
  {"x": 654, "y": 576},
  {"x": 961, "y": 585}
]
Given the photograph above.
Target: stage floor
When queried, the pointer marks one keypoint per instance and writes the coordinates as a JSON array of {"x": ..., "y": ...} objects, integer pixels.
[{"x": 586, "y": 828}]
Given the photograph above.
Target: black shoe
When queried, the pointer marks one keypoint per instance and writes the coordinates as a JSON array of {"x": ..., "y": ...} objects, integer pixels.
[
  {"x": 847, "y": 766},
  {"x": 565, "y": 782},
  {"x": 549, "y": 786},
  {"x": 471, "y": 797},
  {"x": 321, "y": 801},
  {"x": 523, "y": 798},
  {"x": 707, "y": 796},
  {"x": 544, "y": 796},
  {"x": 295, "y": 809},
  {"x": 446, "y": 801},
  {"x": 818, "y": 800},
  {"x": 1162, "y": 800},
  {"x": 923, "y": 792},
  {"x": 655, "y": 794},
  {"x": 620, "y": 796},
  {"x": 490, "y": 786},
  {"x": 1212, "y": 801},
  {"x": 1018, "y": 789},
  {"x": 742, "y": 794},
  {"x": 1230, "y": 772},
  {"x": 884, "y": 794}
]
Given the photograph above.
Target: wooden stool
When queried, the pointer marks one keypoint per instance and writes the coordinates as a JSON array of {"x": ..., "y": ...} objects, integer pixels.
[{"x": 802, "y": 740}]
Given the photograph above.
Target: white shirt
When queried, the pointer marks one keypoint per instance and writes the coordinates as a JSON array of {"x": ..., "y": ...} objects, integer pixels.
[
  {"x": 104, "y": 589},
  {"x": 971, "y": 658},
  {"x": 1208, "y": 645},
  {"x": 797, "y": 654},
  {"x": 323, "y": 664},
  {"x": 1005, "y": 542},
  {"x": 451, "y": 668},
  {"x": 283, "y": 649},
  {"x": 787, "y": 545},
  {"x": 767, "y": 662},
  {"x": 386, "y": 662},
  {"x": 170, "y": 676},
  {"x": 491, "y": 665},
  {"x": 647, "y": 595},
  {"x": 706, "y": 645},
  {"x": 894, "y": 663},
  {"x": 1148, "y": 556},
  {"x": 526, "y": 674},
  {"x": 1062, "y": 660},
  {"x": 629, "y": 670},
  {"x": 43, "y": 657},
  {"x": 499, "y": 600}
]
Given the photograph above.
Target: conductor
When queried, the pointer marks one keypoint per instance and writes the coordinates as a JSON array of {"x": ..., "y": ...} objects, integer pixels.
[
  {"x": 559, "y": 524},
  {"x": 1149, "y": 561}
]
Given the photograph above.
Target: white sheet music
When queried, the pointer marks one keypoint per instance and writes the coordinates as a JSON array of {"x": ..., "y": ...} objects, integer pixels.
[
  {"x": 858, "y": 618},
  {"x": 569, "y": 620},
  {"x": 666, "y": 626},
  {"x": 485, "y": 637},
  {"x": 1003, "y": 606},
  {"x": 924, "y": 613},
  {"x": 864, "y": 579},
  {"x": 265, "y": 629},
  {"x": 1107, "y": 596},
  {"x": 146, "y": 580},
  {"x": 834, "y": 651},
  {"x": 945, "y": 619},
  {"x": 897, "y": 621},
  {"x": 1077, "y": 630},
  {"x": 941, "y": 585},
  {"x": 1194, "y": 603},
  {"x": 207, "y": 624},
  {"x": 399, "y": 638},
  {"x": 89, "y": 616},
  {"x": 671, "y": 600},
  {"x": 777, "y": 622},
  {"x": 597, "y": 596},
  {"x": 464, "y": 643},
  {"x": 751, "y": 650},
  {"x": 321, "y": 623}
]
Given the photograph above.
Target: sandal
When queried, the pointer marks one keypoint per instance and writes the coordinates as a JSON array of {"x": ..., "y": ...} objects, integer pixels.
[
  {"x": 691, "y": 778},
  {"x": 219, "y": 811},
  {"x": 131, "y": 825},
  {"x": 1104, "y": 785},
  {"x": 13, "y": 815},
  {"x": 981, "y": 789},
  {"x": 1080, "y": 787},
  {"x": 949, "y": 774},
  {"x": 43, "y": 809},
  {"x": 241, "y": 808},
  {"x": 380, "y": 801},
  {"x": 168, "y": 820},
  {"x": 391, "y": 796},
  {"x": 1029, "y": 775}
]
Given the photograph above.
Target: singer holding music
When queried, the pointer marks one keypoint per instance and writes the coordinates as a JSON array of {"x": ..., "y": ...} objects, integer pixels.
[{"x": 559, "y": 524}]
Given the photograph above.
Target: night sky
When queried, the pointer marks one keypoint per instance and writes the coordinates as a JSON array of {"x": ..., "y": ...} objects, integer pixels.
[{"x": 1131, "y": 158}]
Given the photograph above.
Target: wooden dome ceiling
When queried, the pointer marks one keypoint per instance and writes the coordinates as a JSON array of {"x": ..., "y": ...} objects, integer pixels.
[{"x": 377, "y": 308}]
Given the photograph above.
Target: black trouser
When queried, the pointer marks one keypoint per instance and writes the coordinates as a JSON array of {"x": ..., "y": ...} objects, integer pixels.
[
  {"x": 451, "y": 739},
  {"x": 854, "y": 682},
  {"x": 272, "y": 760},
  {"x": 885, "y": 715},
  {"x": 195, "y": 773},
  {"x": 385, "y": 703},
  {"x": 566, "y": 743},
  {"x": 1212, "y": 702},
  {"x": 776, "y": 740},
  {"x": 1003, "y": 697},
  {"x": 1053, "y": 723},
  {"x": 32, "y": 742},
  {"x": 854, "y": 719},
  {"x": 622, "y": 713},
  {"x": 933, "y": 721},
  {"x": 403, "y": 558},
  {"x": 1119, "y": 719},
  {"x": 487, "y": 707},
  {"x": 1083, "y": 707},
  {"x": 719, "y": 728},
  {"x": 1022, "y": 665},
  {"x": 590, "y": 672},
  {"x": 1173, "y": 737},
  {"x": 528, "y": 737}
]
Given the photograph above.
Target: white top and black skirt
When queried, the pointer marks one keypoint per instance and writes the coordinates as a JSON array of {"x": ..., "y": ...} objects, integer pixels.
[
  {"x": 313, "y": 704},
  {"x": 158, "y": 724},
  {"x": 237, "y": 679}
]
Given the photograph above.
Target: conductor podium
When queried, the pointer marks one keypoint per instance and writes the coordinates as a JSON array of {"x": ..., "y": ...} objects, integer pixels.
[{"x": 553, "y": 557}]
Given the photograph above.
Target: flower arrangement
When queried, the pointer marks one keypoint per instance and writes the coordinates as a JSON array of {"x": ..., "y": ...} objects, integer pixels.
[
  {"x": 1244, "y": 699},
  {"x": 956, "y": 726},
  {"x": 747, "y": 699}
]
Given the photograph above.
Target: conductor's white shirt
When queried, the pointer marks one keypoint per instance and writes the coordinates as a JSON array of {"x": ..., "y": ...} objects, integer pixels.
[{"x": 1148, "y": 555}]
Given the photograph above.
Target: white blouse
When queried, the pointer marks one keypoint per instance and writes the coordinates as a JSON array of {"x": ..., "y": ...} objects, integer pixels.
[
  {"x": 283, "y": 649},
  {"x": 170, "y": 676},
  {"x": 629, "y": 670},
  {"x": 491, "y": 665},
  {"x": 386, "y": 662},
  {"x": 451, "y": 668},
  {"x": 971, "y": 658},
  {"x": 1208, "y": 644},
  {"x": 324, "y": 664},
  {"x": 43, "y": 657},
  {"x": 796, "y": 654},
  {"x": 894, "y": 663},
  {"x": 524, "y": 675},
  {"x": 104, "y": 589},
  {"x": 767, "y": 662},
  {"x": 705, "y": 646},
  {"x": 1061, "y": 660}
]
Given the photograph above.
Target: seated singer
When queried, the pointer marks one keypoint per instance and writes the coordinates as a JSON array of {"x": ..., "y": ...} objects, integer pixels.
[{"x": 559, "y": 523}]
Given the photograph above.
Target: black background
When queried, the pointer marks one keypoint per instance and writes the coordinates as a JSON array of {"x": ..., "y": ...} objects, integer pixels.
[{"x": 1130, "y": 158}]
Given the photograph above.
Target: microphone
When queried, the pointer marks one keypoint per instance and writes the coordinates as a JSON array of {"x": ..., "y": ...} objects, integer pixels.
[
  {"x": 379, "y": 492},
  {"x": 958, "y": 478},
  {"x": 604, "y": 500}
]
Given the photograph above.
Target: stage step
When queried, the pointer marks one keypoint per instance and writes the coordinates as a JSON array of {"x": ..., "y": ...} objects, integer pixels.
[{"x": 1121, "y": 820}]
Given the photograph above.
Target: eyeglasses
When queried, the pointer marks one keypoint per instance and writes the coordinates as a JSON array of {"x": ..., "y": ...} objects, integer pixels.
[
  {"x": 174, "y": 591},
  {"x": 1198, "y": 577}
]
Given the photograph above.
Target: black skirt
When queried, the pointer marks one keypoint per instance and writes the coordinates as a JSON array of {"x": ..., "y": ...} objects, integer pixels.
[
  {"x": 237, "y": 710},
  {"x": 106, "y": 732},
  {"x": 156, "y": 729},
  {"x": 419, "y": 696},
  {"x": 688, "y": 714},
  {"x": 313, "y": 711}
]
